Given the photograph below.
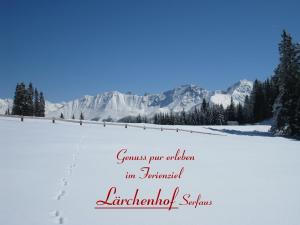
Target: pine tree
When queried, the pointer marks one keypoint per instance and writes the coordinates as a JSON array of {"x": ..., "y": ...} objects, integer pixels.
[
  {"x": 204, "y": 113},
  {"x": 221, "y": 116},
  {"x": 62, "y": 116},
  {"x": 297, "y": 114},
  {"x": 19, "y": 104},
  {"x": 81, "y": 116},
  {"x": 204, "y": 106},
  {"x": 138, "y": 119},
  {"x": 29, "y": 106},
  {"x": 36, "y": 103},
  {"x": 231, "y": 116},
  {"x": 259, "y": 103},
  {"x": 172, "y": 118},
  {"x": 297, "y": 50},
  {"x": 240, "y": 114},
  {"x": 16, "y": 104},
  {"x": 41, "y": 105},
  {"x": 145, "y": 119},
  {"x": 287, "y": 74},
  {"x": 268, "y": 98},
  {"x": 182, "y": 117},
  {"x": 297, "y": 119},
  {"x": 248, "y": 110}
]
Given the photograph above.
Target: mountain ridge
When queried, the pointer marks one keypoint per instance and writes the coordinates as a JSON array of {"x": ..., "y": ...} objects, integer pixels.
[{"x": 116, "y": 105}]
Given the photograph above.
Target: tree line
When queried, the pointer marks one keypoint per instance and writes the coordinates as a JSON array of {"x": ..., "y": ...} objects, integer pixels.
[
  {"x": 81, "y": 117},
  {"x": 258, "y": 106},
  {"x": 277, "y": 98},
  {"x": 28, "y": 101}
]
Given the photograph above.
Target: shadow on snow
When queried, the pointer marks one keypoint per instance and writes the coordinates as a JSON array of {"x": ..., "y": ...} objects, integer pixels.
[{"x": 243, "y": 133}]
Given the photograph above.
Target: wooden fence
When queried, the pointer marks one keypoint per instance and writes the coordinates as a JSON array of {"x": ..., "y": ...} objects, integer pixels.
[{"x": 105, "y": 124}]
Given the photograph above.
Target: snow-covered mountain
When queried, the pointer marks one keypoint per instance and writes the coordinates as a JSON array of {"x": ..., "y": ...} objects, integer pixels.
[
  {"x": 117, "y": 105},
  {"x": 238, "y": 92}
]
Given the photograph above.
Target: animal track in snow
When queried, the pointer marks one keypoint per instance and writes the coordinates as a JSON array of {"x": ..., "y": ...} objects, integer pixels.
[
  {"x": 61, "y": 194},
  {"x": 58, "y": 218},
  {"x": 65, "y": 182},
  {"x": 54, "y": 213}
]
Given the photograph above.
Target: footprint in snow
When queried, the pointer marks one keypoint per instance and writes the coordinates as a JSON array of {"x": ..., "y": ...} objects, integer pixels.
[
  {"x": 60, "y": 220},
  {"x": 54, "y": 213},
  {"x": 61, "y": 194},
  {"x": 65, "y": 182}
]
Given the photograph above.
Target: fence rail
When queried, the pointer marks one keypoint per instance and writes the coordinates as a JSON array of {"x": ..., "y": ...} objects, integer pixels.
[{"x": 104, "y": 124}]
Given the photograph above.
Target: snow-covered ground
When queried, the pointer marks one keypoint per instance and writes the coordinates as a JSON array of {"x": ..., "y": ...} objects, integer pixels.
[{"x": 55, "y": 173}]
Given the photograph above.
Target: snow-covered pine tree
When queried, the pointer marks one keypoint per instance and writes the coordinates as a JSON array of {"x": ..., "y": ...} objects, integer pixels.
[
  {"x": 287, "y": 73},
  {"x": 297, "y": 114}
]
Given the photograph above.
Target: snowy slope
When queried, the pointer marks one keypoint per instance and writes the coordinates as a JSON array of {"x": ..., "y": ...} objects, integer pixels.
[
  {"x": 54, "y": 173},
  {"x": 117, "y": 105}
]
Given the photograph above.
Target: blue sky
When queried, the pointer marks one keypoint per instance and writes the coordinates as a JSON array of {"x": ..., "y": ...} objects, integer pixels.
[{"x": 72, "y": 48}]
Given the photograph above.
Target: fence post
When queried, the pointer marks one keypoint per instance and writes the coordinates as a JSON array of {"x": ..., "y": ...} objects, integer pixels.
[
  {"x": 176, "y": 129},
  {"x": 144, "y": 127},
  {"x": 22, "y": 118},
  {"x": 80, "y": 123},
  {"x": 161, "y": 129},
  {"x": 125, "y": 125},
  {"x": 53, "y": 120},
  {"x": 104, "y": 124}
]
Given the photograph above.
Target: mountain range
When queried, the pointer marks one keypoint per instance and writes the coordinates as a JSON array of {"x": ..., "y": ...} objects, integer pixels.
[{"x": 116, "y": 105}]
